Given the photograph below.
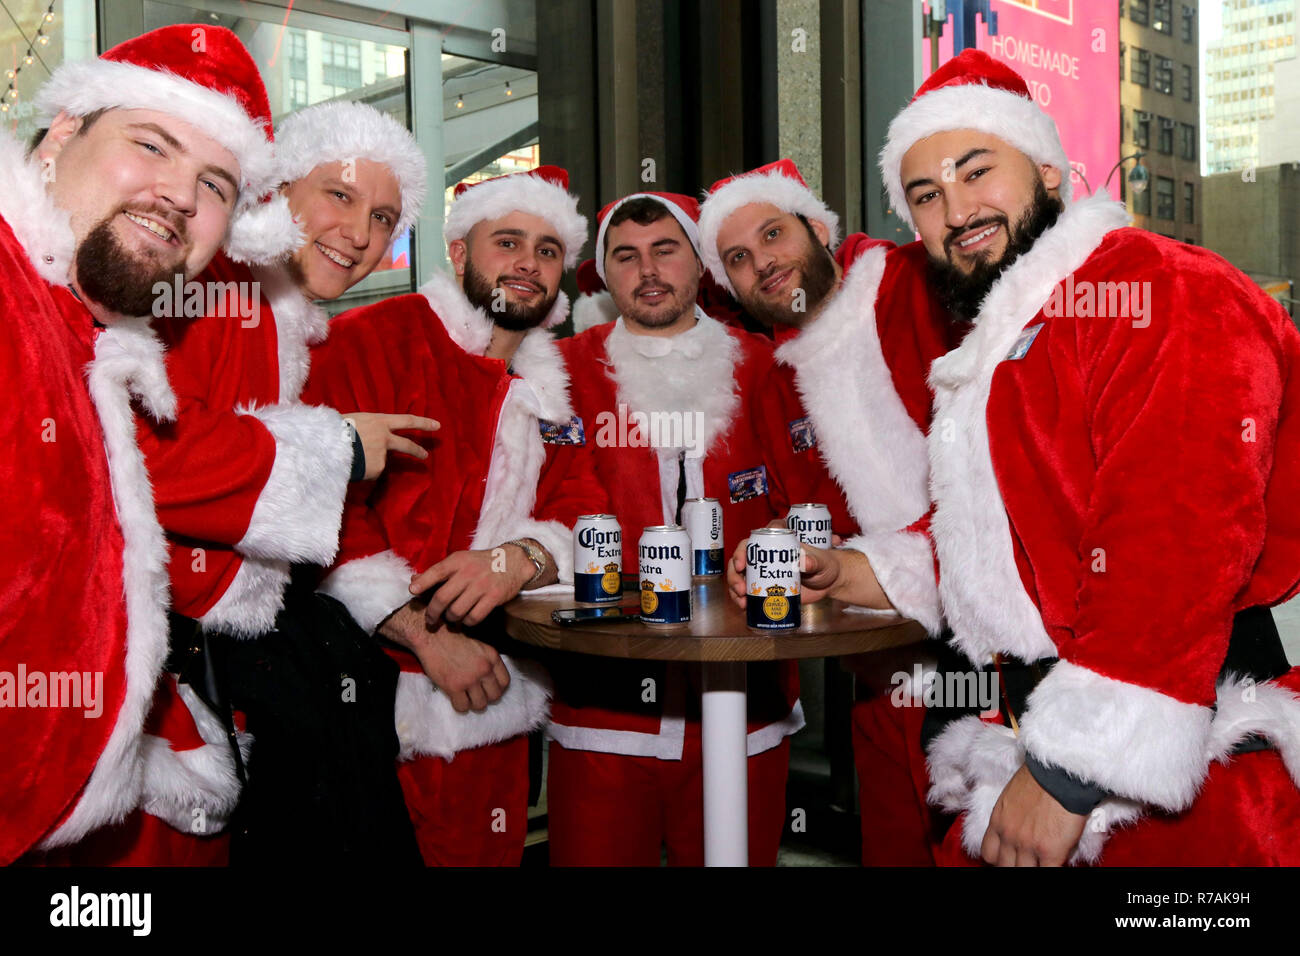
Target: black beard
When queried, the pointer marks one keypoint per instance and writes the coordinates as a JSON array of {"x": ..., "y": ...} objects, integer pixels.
[
  {"x": 508, "y": 315},
  {"x": 962, "y": 293},
  {"x": 111, "y": 277},
  {"x": 816, "y": 271}
]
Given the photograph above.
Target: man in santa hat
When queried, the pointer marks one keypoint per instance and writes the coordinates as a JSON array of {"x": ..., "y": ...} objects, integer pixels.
[
  {"x": 625, "y": 770},
  {"x": 768, "y": 239},
  {"x": 473, "y": 351},
  {"x": 154, "y": 157},
  {"x": 248, "y": 479},
  {"x": 1087, "y": 433}
]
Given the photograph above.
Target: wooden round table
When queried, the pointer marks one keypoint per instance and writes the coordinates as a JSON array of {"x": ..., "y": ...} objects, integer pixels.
[{"x": 718, "y": 637}]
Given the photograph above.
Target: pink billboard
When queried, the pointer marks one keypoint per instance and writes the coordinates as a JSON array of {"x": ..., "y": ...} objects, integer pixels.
[{"x": 1068, "y": 53}]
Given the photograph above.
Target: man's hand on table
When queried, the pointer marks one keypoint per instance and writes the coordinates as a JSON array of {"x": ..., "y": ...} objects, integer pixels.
[
  {"x": 1029, "y": 827},
  {"x": 470, "y": 584},
  {"x": 469, "y": 672},
  {"x": 838, "y": 573}
]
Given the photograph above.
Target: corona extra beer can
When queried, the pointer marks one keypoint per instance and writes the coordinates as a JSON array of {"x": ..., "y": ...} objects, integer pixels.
[
  {"x": 703, "y": 520},
  {"x": 597, "y": 559},
  {"x": 812, "y": 523},
  {"x": 772, "y": 579},
  {"x": 664, "y": 560}
]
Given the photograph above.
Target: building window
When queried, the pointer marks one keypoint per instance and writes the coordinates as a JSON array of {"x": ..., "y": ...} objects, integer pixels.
[
  {"x": 1164, "y": 198},
  {"x": 1186, "y": 141},
  {"x": 1139, "y": 69},
  {"x": 340, "y": 65},
  {"x": 1122, "y": 50},
  {"x": 1164, "y": 81},
  {"x": 1139, "y": 11},
  {"x": 1142, "y": 128},
  {"x": 1189, "y": 203},
  {"x": 1142, "y": 202},
  {"x": 1165, "y": 142},
  {"x": 1164, "y": 16},
  {"x": 1189, "y": 24},
  {"x": 1187, "y": 88}
]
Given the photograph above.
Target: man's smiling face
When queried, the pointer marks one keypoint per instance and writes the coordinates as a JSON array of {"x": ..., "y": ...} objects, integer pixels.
[
  {"x": 148, "y": 196},
  {"x": 966, "y": 190},
  {"x": 511, "y": 268},
  {"x": 347, "y": 214}
]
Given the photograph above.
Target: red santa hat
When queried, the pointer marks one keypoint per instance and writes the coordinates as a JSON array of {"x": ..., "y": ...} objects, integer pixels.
[
  {"x": 778, "y": 184},
  {"x": 340, "y": 131},
  {"x": 972, "y": 91},
  {"x": 201, "y": 74},
  {"x": 683, "y": 208},
  {"x": 543, "y": 192}
]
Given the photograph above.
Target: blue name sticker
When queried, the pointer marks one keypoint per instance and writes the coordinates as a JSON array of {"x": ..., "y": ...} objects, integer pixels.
[
  {"x": 564, "y": 433},
  {"x": 802, "y": 436},
  {"x": 746, "y": 484},
  {"x": 1021, "y": 347}
]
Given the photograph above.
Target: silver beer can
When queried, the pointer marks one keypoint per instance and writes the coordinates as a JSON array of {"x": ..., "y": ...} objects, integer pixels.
[
  {"x": 772, "y": 579},
  {"x": 664, "y": 563},
  {"x": 703, "y": 520},
  {"x": 812, "y": 522},
  {"x": 597, "y": 559}
]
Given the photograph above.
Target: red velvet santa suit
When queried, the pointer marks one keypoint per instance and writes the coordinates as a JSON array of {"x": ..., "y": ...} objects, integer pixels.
[
  {"x": 422, "y": 354},
  {"x": 860, "y": 368},
  {"x": 85, "y": 588},
  {"x": 246, "y": 480},
  {"x": 1098, "y": 454},
  {"x": 610, "y": 742}
]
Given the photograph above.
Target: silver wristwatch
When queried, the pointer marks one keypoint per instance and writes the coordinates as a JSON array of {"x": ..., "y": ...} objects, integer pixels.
[{"x": 535, "y": 555}]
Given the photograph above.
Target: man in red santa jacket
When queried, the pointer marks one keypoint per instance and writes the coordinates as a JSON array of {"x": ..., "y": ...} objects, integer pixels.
[
  {"x": 768, "y": 238},
  {"x": 247, "y": 479},
  {"x": 155, "y": 156},
  {"x": 474, "y": 352},
  {"x": 1087, "y": 433},
  {"x": 625, "y": 774}
]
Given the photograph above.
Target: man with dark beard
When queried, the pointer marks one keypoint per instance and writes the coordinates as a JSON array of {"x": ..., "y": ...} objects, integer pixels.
[
  {"x": 767, "y": 238},
  {"x": 154, "y": 158},
  {"x": 625, "y": 778},
  {"x": 1087, "y": 436},
  {"x": 473, "y": 352}
]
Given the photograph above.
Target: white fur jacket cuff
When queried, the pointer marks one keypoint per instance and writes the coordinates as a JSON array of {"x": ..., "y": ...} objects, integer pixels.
[
  {"x": 904, "y": 565},
  {"x": 1130, "y": 740},
  {"x": 371, "y": 588},
  {"x": 427, "y": 724},
  {"x": 299, "y": 512}
]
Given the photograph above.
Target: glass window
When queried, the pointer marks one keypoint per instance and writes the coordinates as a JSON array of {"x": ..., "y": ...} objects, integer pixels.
[
  {"x": 1165, "y": 143},
  {"x": 490, "y": 120},
  {"x": 1189, "y": 203},
  {"x": 32, "y": 47},
  {"x": 1164, "y": 198},
  {"x": 1189, "y": 24},
  {"x": 1139, "y": 11},
  {"x": 1122, "y": 50},
  {"x": 1188, "y": 91},
  {"x": 1164, "y": 16},
  {"x": 1164, "y": 80},
  {"x": 1142, "y": 128},
  {"x": 1186, "y": 141},
  {"x": 1140, "y": 67}
]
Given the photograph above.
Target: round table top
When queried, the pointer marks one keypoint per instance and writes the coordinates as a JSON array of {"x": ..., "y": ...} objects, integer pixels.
[{"x": 716, "y": 632}]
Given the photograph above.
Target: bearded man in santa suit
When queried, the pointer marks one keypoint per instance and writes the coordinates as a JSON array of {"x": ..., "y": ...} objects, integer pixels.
[
  {"x": 154, "y": 157},
  {"x": 768, "y": 238},
  {"x": 624, "y": 776},
  {"x": 484, "y": 517},
  {"x": 1083, "y": 442}
]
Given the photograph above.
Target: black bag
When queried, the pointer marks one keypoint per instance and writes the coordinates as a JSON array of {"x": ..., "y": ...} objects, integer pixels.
[{"x": 322, "y": 783}]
